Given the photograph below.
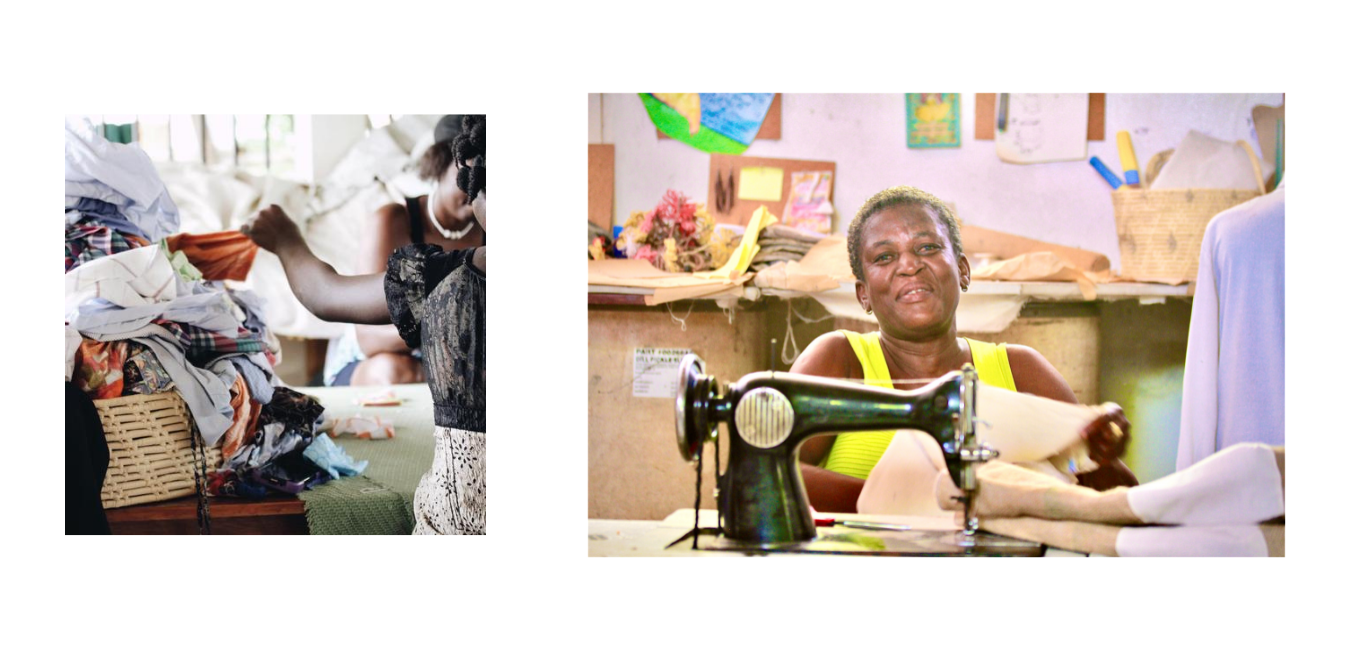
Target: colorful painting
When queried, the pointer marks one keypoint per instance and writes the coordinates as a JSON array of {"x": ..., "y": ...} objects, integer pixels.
[
  {"x": 933, "y": 120},
  {"x": 713, "y": 122}
]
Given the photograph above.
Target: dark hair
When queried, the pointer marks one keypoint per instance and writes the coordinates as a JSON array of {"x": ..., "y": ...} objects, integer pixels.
[
  {"x": 890, "y": 197},
  {"x": 435, "y": 161},
  {"x": 471, "y": 145}
]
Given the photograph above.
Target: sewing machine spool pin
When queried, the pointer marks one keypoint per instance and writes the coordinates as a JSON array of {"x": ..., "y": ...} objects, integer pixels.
[{"x": 769, "y": 414}]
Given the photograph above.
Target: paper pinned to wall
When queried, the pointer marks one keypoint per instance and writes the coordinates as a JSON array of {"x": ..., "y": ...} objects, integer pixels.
[
  {"x": 808, "y": 206},
  {"x": 1046, "y": 127},
  {"x": 761, "y": 184}
]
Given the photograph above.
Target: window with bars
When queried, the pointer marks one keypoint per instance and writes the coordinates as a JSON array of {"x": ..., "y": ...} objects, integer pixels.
[{"x": 276, "y": 145}]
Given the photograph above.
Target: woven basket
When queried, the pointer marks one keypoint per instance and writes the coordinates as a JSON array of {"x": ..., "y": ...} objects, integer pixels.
[
  {"x": 1161, "y": 230},
  {"x": 149, "y": 449}
]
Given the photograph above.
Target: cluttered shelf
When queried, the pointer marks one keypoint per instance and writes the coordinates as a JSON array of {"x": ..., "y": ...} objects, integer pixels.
[
  {"x": 770, "y": 259},
  {"x": 1041, "y": 291}
]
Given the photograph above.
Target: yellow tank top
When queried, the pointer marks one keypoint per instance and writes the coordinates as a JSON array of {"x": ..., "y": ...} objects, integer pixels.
[{"x": 856, "y": 453}]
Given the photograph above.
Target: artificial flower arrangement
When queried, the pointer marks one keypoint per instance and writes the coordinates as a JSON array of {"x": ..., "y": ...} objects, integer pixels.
[{"x": 677, "y": 236}]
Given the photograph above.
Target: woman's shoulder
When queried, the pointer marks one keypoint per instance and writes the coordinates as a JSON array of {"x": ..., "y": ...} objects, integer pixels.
[
  {"x": 830, "y": 355},
  {"x": 1034, "y": 374}
]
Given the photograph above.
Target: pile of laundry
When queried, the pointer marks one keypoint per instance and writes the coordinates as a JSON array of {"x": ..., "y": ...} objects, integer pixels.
[
  {"x": 148, "y": 311},
  {"x": 779, "y": 243}
]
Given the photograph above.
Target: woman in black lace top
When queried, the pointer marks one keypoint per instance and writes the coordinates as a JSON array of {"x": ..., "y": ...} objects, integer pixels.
[{"x": 438, "y": 301}]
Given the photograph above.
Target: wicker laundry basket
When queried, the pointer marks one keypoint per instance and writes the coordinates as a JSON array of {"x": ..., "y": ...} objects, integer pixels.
[
  {"x": 1161, "y": 231},
  {"x": 150, "y": 450}
]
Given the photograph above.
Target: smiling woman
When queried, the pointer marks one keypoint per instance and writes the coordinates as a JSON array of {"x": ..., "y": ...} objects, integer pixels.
[
  {"x": 905, "y": 251},
  {"x": 900, "y": 197},
  {"x": 889, "y": 247}
]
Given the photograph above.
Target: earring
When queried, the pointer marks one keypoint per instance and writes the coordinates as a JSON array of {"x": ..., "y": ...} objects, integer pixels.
[{"x": 867, "y": 309}]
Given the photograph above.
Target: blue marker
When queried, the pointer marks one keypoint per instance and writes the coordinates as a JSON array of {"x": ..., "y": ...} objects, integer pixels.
[{"x": 1105, "y": 172}]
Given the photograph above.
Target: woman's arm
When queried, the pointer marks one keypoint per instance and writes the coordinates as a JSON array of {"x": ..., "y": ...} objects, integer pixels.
[
  {"x": 330, "y": 296},
  {"x": 827, "y": 356},
  {"x": 830, "y": 491},
  {"x": 325, "y": 293}
]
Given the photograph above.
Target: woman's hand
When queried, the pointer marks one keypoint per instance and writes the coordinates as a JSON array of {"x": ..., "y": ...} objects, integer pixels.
[
  {"x": 1108, "y": 435},
  {"x": 272, "y": 229}
]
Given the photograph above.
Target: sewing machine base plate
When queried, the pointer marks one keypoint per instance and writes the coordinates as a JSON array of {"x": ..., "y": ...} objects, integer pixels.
[{"x": 843, "y": 541}]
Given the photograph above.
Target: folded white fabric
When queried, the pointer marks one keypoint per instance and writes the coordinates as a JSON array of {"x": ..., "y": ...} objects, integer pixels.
[
  {"x": 119, "y": 174},
  {"x": 1239, "y": 485},
  {"x": 134, "y": 278},
  {"x": 1191, "y": 541}
]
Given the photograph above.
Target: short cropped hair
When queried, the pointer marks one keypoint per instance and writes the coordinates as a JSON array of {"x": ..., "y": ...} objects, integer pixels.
[{"x": 891, "y": 197}]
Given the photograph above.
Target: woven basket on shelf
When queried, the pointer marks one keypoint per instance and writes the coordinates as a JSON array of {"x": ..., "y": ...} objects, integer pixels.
[
  {"x": 1161, "y": 230},
  {"x": 149, "y": 449}
]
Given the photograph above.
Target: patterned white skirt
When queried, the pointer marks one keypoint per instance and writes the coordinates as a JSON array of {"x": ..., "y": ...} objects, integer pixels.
[{"x": 451, "y": 499}]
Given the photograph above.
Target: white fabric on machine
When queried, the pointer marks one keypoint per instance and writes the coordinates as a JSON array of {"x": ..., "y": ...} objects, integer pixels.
[
  {"x": 1233, "y": 390},
  {"x": 1191, "y": 541},
  {"x": 1026, "y": 428},
  {"x": 901, "y": 483},
  {"x": 1239, "y": 485},
  {"x": 1039, "y": 434}
]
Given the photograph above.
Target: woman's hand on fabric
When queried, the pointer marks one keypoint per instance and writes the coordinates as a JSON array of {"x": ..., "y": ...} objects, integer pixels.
[
  {"x": 1108, "y": 435},
  {"x": 1111, "y": 474},
  {"x": 272, "y": 229}
]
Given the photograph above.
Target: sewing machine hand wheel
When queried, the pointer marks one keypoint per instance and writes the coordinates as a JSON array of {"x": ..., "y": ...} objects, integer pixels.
[{"x": 693, "y": 401}]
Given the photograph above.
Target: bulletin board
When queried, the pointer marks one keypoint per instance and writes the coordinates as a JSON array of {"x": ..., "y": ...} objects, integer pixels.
[{"x": 723, "y": 167}]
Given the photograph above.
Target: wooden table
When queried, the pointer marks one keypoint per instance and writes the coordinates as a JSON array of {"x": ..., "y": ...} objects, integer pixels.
[{"x": 275, "y": 515}]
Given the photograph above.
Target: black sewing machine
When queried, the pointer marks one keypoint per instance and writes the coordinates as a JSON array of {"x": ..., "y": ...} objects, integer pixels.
[{"x": 769, "y": 414}]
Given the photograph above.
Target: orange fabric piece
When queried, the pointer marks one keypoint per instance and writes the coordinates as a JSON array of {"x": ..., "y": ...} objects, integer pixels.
[
  {"x": 224, "y": 255},
  {"x": 98, "y": 368},
  {"x": 245, "y": 418}
]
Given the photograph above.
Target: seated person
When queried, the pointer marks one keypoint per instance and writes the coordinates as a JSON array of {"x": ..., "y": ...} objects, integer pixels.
[
  {"x": 375, "y": 355},
  {"x": 905, "y": 250}
]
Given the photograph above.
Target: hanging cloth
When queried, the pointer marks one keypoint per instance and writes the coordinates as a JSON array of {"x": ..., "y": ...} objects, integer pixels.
[{"x": 224, "y": 255}]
